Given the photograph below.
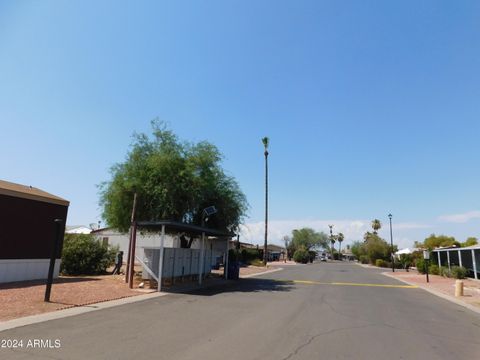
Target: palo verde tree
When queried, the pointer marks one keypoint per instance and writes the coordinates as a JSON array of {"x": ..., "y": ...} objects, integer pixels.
[{"x": 174, "y": 180}]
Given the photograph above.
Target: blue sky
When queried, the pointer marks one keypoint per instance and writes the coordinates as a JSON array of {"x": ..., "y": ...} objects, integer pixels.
[{"x": 371, "y": 106}]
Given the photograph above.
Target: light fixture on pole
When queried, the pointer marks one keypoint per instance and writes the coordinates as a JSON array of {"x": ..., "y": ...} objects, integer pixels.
[
  {"x": 391, "y": 243},
  {"x": 266, "y": 142}
]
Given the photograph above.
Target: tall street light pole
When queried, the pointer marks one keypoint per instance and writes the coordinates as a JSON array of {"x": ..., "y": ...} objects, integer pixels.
[
  {"x": 331, "y": 239},
  {"x": 265, "y": 142},
  {"x": 391, "y": 243}
]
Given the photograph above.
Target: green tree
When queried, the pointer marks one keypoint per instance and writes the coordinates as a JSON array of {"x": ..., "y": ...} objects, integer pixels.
[
  {"x": 470, "y": 242},
  {"x": 434, "y": 241},
  {"x": 374, "y": 247},
  {"x": 358, "y": 249},
  {"x": 308, "y": 239},
  {"x": 174, "y": 180},
  {"x": 340, "y": 238},
  {"x": 376, "y": 225}
]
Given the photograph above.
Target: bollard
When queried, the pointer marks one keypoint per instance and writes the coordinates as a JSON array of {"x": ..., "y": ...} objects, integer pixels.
[{"x": 458, "y": 288}]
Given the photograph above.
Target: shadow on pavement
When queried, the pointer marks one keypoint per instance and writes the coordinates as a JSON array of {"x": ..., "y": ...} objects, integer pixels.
[{"x": 243, "y": 285}]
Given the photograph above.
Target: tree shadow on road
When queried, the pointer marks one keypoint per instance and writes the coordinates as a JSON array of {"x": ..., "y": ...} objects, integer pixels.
[{"x": 250, "y": 285}]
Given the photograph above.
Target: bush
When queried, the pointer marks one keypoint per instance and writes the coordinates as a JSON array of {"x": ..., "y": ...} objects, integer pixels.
[
  {"x": 249, "y": 255},
  {"x": 445, "y": 272},
  {"x": 256, "y": 262},
  {"x": 301, "y": 256},
  {"x": 84, "y": 255},
  {"x": 380, "y": 263},
  {"x": 459, "y": 272},
  {"x": 404, "y": 262},
  {"x": 364, "y": 259},
  {"x": 434, "y": 269},
  {"x": 420, "y": 264}
]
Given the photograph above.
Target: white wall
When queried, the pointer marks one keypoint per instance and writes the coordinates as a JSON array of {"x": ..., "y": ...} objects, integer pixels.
[{"x": 26, "y": 269}]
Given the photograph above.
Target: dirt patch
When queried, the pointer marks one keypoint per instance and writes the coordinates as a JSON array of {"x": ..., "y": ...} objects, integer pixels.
[{"x": 26, "y": 298}]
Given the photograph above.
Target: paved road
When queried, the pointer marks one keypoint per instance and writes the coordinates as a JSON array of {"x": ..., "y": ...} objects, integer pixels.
[{"x": 270, "y": 318}]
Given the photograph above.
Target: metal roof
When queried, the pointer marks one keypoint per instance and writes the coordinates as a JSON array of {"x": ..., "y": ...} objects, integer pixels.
[
  {"x": 30, "y": 193},
  {"x": 473, "y": 247},
  {"x": 182, "y": 227}
]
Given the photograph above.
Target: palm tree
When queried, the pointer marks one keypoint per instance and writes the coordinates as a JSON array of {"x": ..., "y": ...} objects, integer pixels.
[
  {"x": 340, "y": 238},
  {"x": 265, "y": 142},
  {"x": 332, "y": 239},
  {"x": 376, "y": 225}
]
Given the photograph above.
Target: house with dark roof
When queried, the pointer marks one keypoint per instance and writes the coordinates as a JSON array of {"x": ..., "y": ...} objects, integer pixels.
[{"x": 28, "y": 230}]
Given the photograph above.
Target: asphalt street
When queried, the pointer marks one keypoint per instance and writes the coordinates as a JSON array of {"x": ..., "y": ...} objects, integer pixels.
[{"x": 315, "y": 311}]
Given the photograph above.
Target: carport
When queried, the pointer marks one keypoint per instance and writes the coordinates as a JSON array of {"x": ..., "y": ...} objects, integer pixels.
[
  {"x": 468, "y": 257},
  {"x": 163, "y": 263}
]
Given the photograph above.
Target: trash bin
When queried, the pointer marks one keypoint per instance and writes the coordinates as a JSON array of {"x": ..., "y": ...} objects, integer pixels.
[{"x": 233, "y": 271}]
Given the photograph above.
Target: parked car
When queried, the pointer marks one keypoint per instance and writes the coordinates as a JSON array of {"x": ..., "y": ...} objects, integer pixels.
[{"x": 323, "y": 257}]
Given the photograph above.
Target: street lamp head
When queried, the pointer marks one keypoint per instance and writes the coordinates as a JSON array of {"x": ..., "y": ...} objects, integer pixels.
[
  {"x": 265, "y": 142},
  {"x": 390, "y": 216}
]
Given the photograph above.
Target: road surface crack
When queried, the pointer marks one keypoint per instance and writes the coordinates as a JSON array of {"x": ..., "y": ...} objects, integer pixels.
[{"x": 314, "y": 337}]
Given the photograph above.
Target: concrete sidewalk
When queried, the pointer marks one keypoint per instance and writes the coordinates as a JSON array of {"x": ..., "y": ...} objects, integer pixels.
[{"x": 443, "y": 287}]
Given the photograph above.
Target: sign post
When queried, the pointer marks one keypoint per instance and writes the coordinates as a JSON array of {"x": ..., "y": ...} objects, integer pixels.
[
  {"x": 58, "y": 228},
  {"x": 426, "y": 257}
]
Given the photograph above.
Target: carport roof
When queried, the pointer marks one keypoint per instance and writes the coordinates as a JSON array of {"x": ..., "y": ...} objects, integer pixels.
[
  {"x": 473, "y": 247},
  {"x": 182, "y": 227}
]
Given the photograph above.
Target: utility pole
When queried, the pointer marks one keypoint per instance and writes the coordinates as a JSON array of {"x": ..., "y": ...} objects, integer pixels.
[
  {"x": 331, "y": 239},
  {"x": 391, "y": 242}
]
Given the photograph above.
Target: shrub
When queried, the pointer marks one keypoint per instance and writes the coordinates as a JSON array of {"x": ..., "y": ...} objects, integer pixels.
[
  {"x": 434, "y": 269},
  {"x": 301, "y": 256},
  {"x": 459, "y": 272},
  {"x": 84, "y": 255},
  {"x": 445, "y": 272},
  {"x": 256, "y": 262},
  {"x": 249, "y": 255},
  {"x": 380, "y": 263},
  {"x": 420, "y": 264},
  {"x": 404, "y": 262},
  {"x": 364, "y": 259}
]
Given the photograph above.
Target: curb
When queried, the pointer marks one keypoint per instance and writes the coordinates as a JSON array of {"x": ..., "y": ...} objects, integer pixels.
[
  {"x": 262, "y": 273},
  {"x": 437, "y": 293}
]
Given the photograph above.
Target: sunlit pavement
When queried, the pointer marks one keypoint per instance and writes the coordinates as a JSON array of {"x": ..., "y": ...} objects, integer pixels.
[{"x": 321, "y": 310}]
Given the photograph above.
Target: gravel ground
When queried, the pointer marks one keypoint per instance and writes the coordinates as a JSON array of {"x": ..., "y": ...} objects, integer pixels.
[{"x": 26, "y": 298}]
